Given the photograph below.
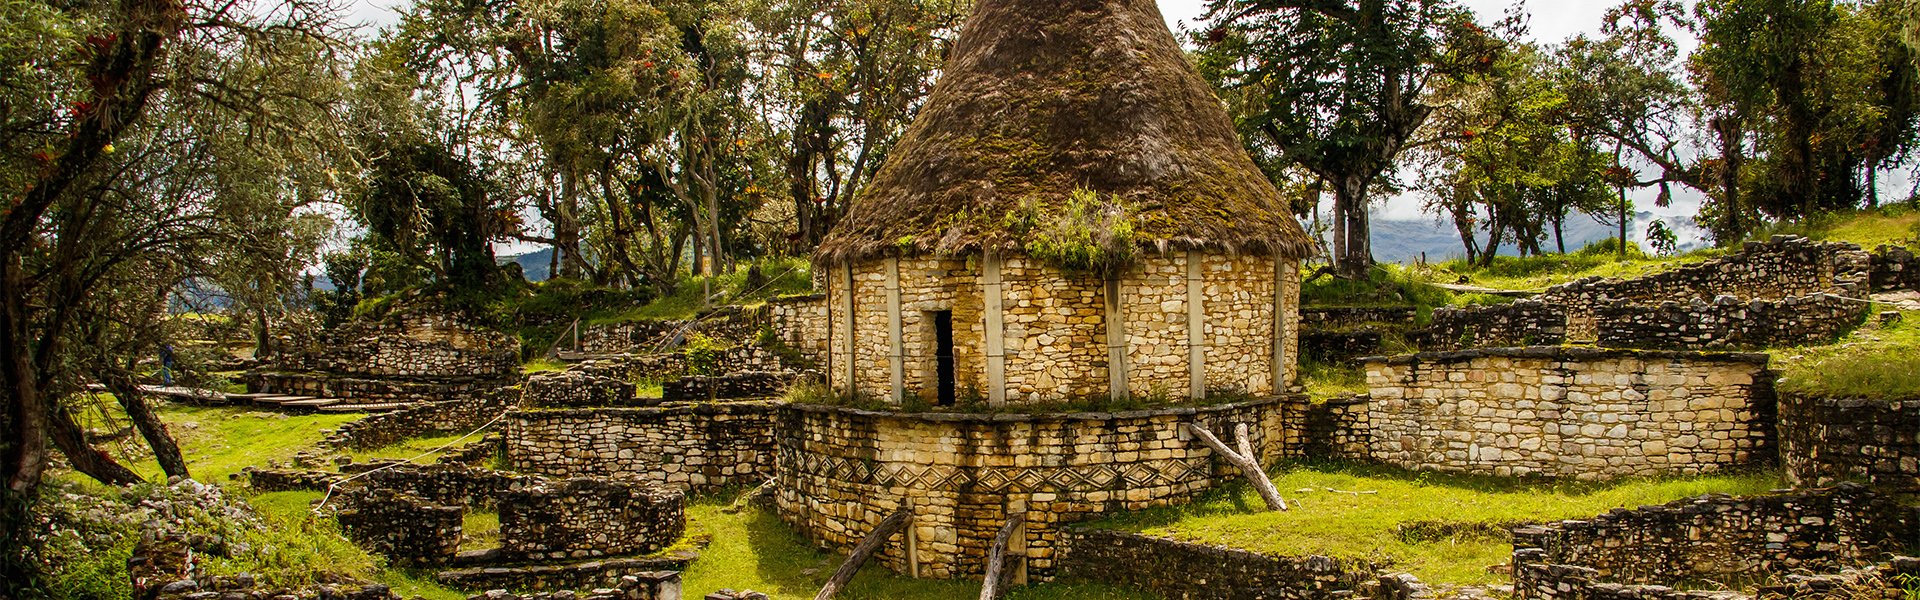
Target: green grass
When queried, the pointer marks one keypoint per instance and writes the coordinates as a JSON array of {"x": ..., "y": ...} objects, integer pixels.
[
  {"x": 1325, "y": 381},
  {"x": 480, "y": 530},
  {"x": 1537, "y": 273},
  {"x": 1365, "y": 525},
  {"x": 1893, "y": 224},
  {"x": 1872, "y": 362},
  {"x": 1386, "y": 285},
  {"x": 542, "y": 365},
  {"x": 753, "y": 549},
  {"x": 425, "y": 448},
  {"x": 783, "y": 276},
  {"x": 219, "y": 441}
]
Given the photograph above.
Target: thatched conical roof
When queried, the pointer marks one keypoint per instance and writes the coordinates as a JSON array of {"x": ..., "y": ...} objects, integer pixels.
[{"x": 1041, "y": 98}]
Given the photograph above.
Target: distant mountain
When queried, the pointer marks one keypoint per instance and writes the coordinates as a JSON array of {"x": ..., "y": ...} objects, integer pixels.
[
  {"x": 535, "y": 265},
  {"x": 1407, "y": 241}
]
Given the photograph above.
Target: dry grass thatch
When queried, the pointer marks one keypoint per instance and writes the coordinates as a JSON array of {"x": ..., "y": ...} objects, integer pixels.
[{"x": 1041, "y": 98}]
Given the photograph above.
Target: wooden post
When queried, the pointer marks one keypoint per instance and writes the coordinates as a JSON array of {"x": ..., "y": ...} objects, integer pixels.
[
  {"x": 1246, "y": 460},
  {"x": 896, "y": 344},
  {"x": 882, "y": 531},
  {"x": 1196, "y": 328},
  {"x": 996, "y": 332},
  {"x": 1279, "y": 325},
  {"x": 846, "y": 269},
  {"x": 1116, "y": 342},
  {"x": 990, "y": 588}
]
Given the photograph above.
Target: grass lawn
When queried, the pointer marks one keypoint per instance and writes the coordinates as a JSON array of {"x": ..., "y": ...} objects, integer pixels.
[
  {"x": 425, "y": 449},
  {"x": 753, "y": 549},
  {"x": 219, "y": 441},
  {"x": 1872, "y": 362},
  {"x": 1367, "y": 525}
]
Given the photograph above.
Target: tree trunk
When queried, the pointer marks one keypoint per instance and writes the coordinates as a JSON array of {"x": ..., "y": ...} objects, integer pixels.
[
  {"x": 1732, "y": 159},
  {"x": 997, "y": 558},
  {"x": 72, "y": 441},
  {"x": 1353, "y": 255},
  {"x": 1246, "y": 460},
  {"x": 262, "y": 336},
  {"x": 882, "y": 532},
  {"x": 165, "y": 450}
]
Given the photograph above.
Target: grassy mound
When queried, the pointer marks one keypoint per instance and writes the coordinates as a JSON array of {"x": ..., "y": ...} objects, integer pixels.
[{"x": 1447, "y": 529}]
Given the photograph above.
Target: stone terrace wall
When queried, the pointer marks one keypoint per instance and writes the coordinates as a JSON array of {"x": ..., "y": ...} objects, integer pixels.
[
  {"x": 1334, "y": 429},
  {"x": 751, "y": 384},
  {"x": 434, "y": 418},
  {"x": 584, "y": 518},
  {"x": 1519, "y": 323},
  {"x": 1336, "y": 334},
  {"x": 1895, "y": 268},
  {"x": 1824, "y": 440},
  {"x": 1712, "y": 537},
  {"x": 578, "y": 388},
  {"x": 843, "y": 470},
  {"x": 1729, "y": 323},
  {"x": 1195, "y": 572},
  {"x": 614, "y": 580},
  {"x": 726, "y": 322},
  {"x": 801, "y": 323},
  {"x": 406, "y": 529},
  {"x": 1571, "y": 412},
  {"x": 1354, "y": 316},
  {"x": 1782, "y": 267},
  {"x": 417, "y": 344},
  {"x": 685, "y": 446}
]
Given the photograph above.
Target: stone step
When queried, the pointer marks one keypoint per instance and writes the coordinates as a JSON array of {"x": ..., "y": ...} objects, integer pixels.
[
  {"x": 382, "y": 407},
  {"x": 314, "y": 403},
  {"x": 281, "y": 399},
  {"x": 251, "y": 396}
]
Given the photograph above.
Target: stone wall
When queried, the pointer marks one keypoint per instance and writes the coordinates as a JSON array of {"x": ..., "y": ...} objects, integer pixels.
[
  {"x": 750, "y": 384},
  {"x": 1895, "y": 268},
  {"x": 1336, "y": 428},
  {"x": 645, "y": 337},
  {"x": 685, "y": 446},
  {"x": 1518, "y": 323},
  {"x": 1709, "y": 538},
  {"x": 1333, "y": 317},
  {"x": 407, "y": 529},
  {"x": 435, "y": 418},
  {"x": 585, "y": 518},
  {"x": 459, "y": 485},
  {"x": 843, "y": 470},
  {"x": 652, "y": 578},
  {"x": 1055, "y": 330},
  {"x": 1727, "y": 322},
  {"x": 1571, "y": 412},
  {"x": 577, "y": 388},
  {"x": 801, "y": 323},
  {"x": 1782, "y": 267},
  {"x": 411, "y": 344},
  {"x": 1825, "y": 440},
  {"x": 361, "y": 390},
  {"x": 1176, "y": 569}
]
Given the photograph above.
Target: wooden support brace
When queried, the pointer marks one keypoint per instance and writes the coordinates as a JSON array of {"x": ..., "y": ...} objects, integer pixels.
[
  {"x": 882, "y": 532},
  {"x": 990, "y": 588},
  {"x": 1245, "y": 459}
]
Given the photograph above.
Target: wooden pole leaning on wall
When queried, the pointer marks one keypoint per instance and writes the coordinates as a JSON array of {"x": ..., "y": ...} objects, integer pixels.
[
  {"x": 1245, "y": 459},
  {"x": 990, "y": 588},
  {"x": 882, "y": 532}
]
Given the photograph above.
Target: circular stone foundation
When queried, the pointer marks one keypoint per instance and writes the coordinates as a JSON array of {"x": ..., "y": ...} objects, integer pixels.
[{"x": 843, "y": 470}]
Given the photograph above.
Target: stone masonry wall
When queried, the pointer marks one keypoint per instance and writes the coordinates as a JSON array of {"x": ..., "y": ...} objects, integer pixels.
[
  {"x": 1825, "y": 440},
  {"x": 417, "y": 344},
  {"x": 645, "y": 337},
  {"x": 577, "y": 388},
  {"x": 585, "y": 518},
  {"x": 801, "y": 322},
  {"x": 1519, "y": 323},
  {"x": 1710, "y": 538},
  {"x": 1730, "y": 323},
  {"x": 1782, "y": 267},
  {"x": 1176, "y": 569},
  {"x": 1334, "y": 429},
  {"x": 434, "y": 418},
  {"x": 1895, "y": 268},
  {"x": 749, "y": 384},
  {"x": 404, "y": 528},
  {"x": 684, "y": 446},
  {"x": 1055, "y": 326},
  {"x": 1571, "y": 412},
  {"x": 843, "y": 470}
]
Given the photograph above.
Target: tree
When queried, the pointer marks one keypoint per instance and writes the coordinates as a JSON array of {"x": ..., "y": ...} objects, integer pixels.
[
  {"x": 120, "y": 135},
  {"x": 842, "y": 79},
  {"x": 1337, "y": 87}
]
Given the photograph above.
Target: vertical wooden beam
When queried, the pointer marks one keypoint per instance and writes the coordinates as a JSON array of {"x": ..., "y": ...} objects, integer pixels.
[
  {"x": 896, "y": 344},
  {"x": 851, "y": 369},
  {"x": 913, "y": 544},
  {"x": 1116, "y": 342},
  {"x": 1196, "y": 327},
  {"x": 996, "y": 333},
  {"x": 1279, "y": 324}
]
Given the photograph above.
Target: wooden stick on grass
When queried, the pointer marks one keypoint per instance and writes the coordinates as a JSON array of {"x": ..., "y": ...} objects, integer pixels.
[
  {"x": 1245, "y": 459},
  {"x": 869, "y": 545}
]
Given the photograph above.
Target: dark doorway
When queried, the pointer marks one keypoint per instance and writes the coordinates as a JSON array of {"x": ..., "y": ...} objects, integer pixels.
[{"x": 943, "y": 354}]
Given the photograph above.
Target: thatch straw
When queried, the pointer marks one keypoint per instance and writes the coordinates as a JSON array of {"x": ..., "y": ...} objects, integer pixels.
[{"x": 1044, "y": 97}]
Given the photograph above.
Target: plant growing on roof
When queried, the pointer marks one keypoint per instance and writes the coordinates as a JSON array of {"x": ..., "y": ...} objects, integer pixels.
[{"x": 1086, "y": 234}]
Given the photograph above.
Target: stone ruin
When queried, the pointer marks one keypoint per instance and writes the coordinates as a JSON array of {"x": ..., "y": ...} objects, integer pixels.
[{"x": 409, "y": 357}]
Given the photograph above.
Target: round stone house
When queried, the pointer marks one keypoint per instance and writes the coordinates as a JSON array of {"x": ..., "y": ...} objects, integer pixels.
[{"x": 1071, "y": 215}]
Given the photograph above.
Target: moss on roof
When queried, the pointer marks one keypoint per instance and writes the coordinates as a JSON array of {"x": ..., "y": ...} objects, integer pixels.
[{"x": 1043, "y": 98}]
